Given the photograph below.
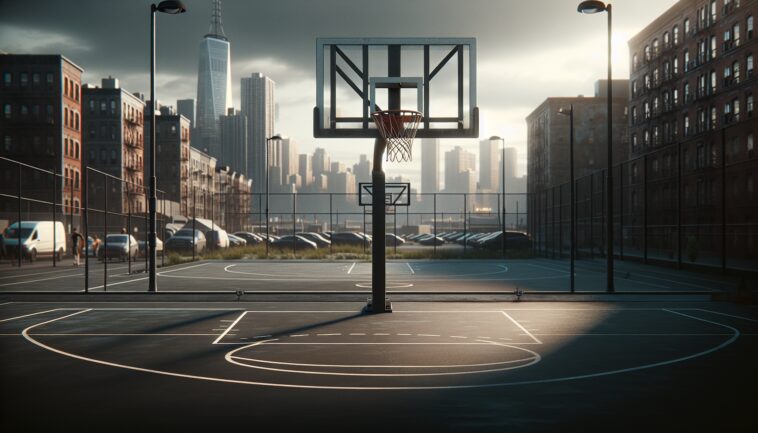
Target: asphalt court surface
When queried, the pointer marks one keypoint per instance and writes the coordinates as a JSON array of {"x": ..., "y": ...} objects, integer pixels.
[
  {"x": 489, "y": 276},
  {"x": 246, "y": 351}
]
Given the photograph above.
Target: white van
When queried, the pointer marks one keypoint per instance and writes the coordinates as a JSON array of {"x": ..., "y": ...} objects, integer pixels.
[{"x": 36, "y": 239}]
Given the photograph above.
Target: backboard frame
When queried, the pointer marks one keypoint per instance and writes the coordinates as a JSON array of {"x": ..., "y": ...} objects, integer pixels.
[
  {"x": 467, "y": 123},
  {"x": 404, "y": 193}
]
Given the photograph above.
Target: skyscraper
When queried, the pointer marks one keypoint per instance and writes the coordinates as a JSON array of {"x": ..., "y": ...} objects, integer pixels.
[
  {"x": 460, "y": 165},
  {"x": 257, "y": 103},
  {"x": 214, "y": 84},
  {"x": 289, "y": 158},
  {"x": 233, "y": 136},
  {"x": 430, "y": 165},
  {"x": 489, "y": 159}
]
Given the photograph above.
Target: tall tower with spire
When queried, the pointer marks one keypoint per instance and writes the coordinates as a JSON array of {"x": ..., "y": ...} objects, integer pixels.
[{"x": 214, "y": 85}]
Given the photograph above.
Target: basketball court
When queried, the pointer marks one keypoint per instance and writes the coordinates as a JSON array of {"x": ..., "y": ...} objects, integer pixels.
[
  {"x": 333, "y": 356},
  {"x": 258, "y": 277}
]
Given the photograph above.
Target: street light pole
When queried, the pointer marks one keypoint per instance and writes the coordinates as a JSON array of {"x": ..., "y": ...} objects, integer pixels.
[
  {"x": 169, "y": 7},
  {"x": 265, "y": 161},
  {"x": 591, "y": 7}
]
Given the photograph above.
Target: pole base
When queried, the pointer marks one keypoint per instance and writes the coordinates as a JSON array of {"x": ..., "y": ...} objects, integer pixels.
[{"x": 370, "y": 307}]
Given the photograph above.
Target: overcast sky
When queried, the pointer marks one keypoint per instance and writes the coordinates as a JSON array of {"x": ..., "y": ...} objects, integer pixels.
[{"x": 528, "y": 50}]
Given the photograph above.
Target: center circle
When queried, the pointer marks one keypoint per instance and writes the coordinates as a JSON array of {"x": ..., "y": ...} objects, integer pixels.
[{"x": 282, "y": 357}]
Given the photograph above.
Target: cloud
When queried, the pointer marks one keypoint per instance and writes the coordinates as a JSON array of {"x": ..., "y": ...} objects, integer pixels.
[{"x": 29, "y": 40}]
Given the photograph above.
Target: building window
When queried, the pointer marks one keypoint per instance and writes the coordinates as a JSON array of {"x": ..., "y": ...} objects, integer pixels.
[
  {"x": 76, "y": 91},
  {"x": 736, "y": 71},
  {"x": 686, "y": 60},
  {"x": 655, "y": 47},
  {"x": 634, "y": 88},
  {"x": 65, "y": 85},
  {"x": 7, "y": 78},
  {"x": 65, "y": 146},
  {"x": 749, "y": 104},
  {"x": 113, "y": 156},
  {"x": 714, "y": 15},
  {"x": 24, "y": 79},
  {"x": 666, "y": 39},
  {"x": 103, "y": 106},
  {"x": 646, "y": 137},
  {"x": 714, "y": 82},
  {"x": 714, "y": 117},
  {"x": 686, "y": 26},
  {"x": 49, "y": 78},
  {"x": 714, "y": 49},
  {"x": 749, "y": 65},
  {"x": 675, "y": 32},
  {"x": 35, "y": 79},
  {"x": 647, "y": 53},
  {"x": 91, "y": 106},
  {"x": 634, "y": 115},
  {"x": 24, "y": 110},
  {"x": 76, "y": 149},
  {"x": 76, "y": 121},
  {"x": 7, "y": 111},
  {"x": 750, "y": 27},
  {"x": 736, "y": 35},
  {"x": 686, "y": 125},
  {"x": 7, "y": 143},
  {"x": 646, "y": 109},
  {"x": 113, "y": 106},
  {"x": 675, "y": 65},
  {"x": 635, "y": 61},
  {"x": 634, "y": 142},
  {"x": 736, "y": 109},
  {"x": 749, "y": 145}
]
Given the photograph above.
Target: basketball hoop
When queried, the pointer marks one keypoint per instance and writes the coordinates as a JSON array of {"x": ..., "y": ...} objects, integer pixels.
[{"x": 399, "y": 128}]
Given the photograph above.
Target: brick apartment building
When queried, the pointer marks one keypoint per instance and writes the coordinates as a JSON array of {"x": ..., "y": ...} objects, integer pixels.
[
  {"x": 41, "y": 123},
  {"x": 172, "y": 147},
  {"x": 114, "y": 142},
  {"x": 692, "y": 132}
]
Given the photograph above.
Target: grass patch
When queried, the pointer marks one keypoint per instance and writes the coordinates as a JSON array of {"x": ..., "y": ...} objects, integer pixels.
[{"x": 344, "y": 252}]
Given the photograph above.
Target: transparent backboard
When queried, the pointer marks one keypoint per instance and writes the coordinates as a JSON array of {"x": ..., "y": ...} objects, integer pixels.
[
  {"x": 357, "y": 76},
  {"x": 395, "y": 194}
]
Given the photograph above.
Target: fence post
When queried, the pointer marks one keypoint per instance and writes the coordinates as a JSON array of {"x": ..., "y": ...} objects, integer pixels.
[
  {"x": 55, "y": 234},
  {"x": 644, "y": 208},
  {"x": 86, "y": 228},
  {"x": 723, "y": 200},
  {"x": 592, "y": 216},
  {"x": 560, "y": 221},
  {"x": 294, "y": 225},
  {"x": 621, "y": 211},
  {"x": 679, "y": 207},
  {"x": 194, "y": 219},
  {"x": 603, "y": 216},
  {"x": 331, "y": 227},
  {"x": 163, "y": 216},
  {"x": 434, "y": 209},
  {"x": 18, "y": 232},
  {"x": 465, "y": 231},
  {"x": 129, "y": 233},
  {"x": 105, "y": 234}
]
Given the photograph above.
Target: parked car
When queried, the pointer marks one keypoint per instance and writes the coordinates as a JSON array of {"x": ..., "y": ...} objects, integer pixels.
[
  {"x": 349, "y": 238},
  {"x": 251, "y": 238},
  {"x": 217, "y": 238},
  {"x": 236, "y": 241},
  {"x": 118, "y": 246},
  {"x": 158, "y": 246},
  {"x": 296, "y": 242},
  {"x": 316, "y": 238},
  {"x": 36, "y": 239},
  {"x": 431, "y": 240},
  {"x": 513, "y": 241},
  {"x": 182, "y": 241},
  {"x": 392, "y": 239}
]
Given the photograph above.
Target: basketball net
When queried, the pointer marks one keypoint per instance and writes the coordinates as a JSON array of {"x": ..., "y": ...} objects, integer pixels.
[{"x": 398, "y": 128}]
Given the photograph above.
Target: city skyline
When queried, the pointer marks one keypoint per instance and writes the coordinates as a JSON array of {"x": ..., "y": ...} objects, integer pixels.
[{"x": 287, "y": 56}]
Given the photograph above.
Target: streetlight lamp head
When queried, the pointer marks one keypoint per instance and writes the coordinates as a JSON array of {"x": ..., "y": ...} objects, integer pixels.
[
  {"x": 565, "y": 111},
  {"x": 591, "y": 7},
  {"x": 276, "y": 137},
  {"x": 171, "y": 7}
]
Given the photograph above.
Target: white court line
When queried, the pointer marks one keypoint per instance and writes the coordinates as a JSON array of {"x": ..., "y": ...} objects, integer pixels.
[
  {"x": 351, "y": 268},
  {"x": 6, "y": 303},
  {"x": 720, "y": 314},
  {"x": 90, "y": 334},
  {"x": 409, "y": 267},
  {"x": 537, "y": 340},
  {"x": 182, "y": 269},
  {"x": 220, "y": 337},
  {"x": 79, "y": 271},
  {"x": 29, "y": 315},
  {"x": 145, "y": 278},
  {"x": 735, "y": 336},
  {"x": 15, "y": 283}
]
